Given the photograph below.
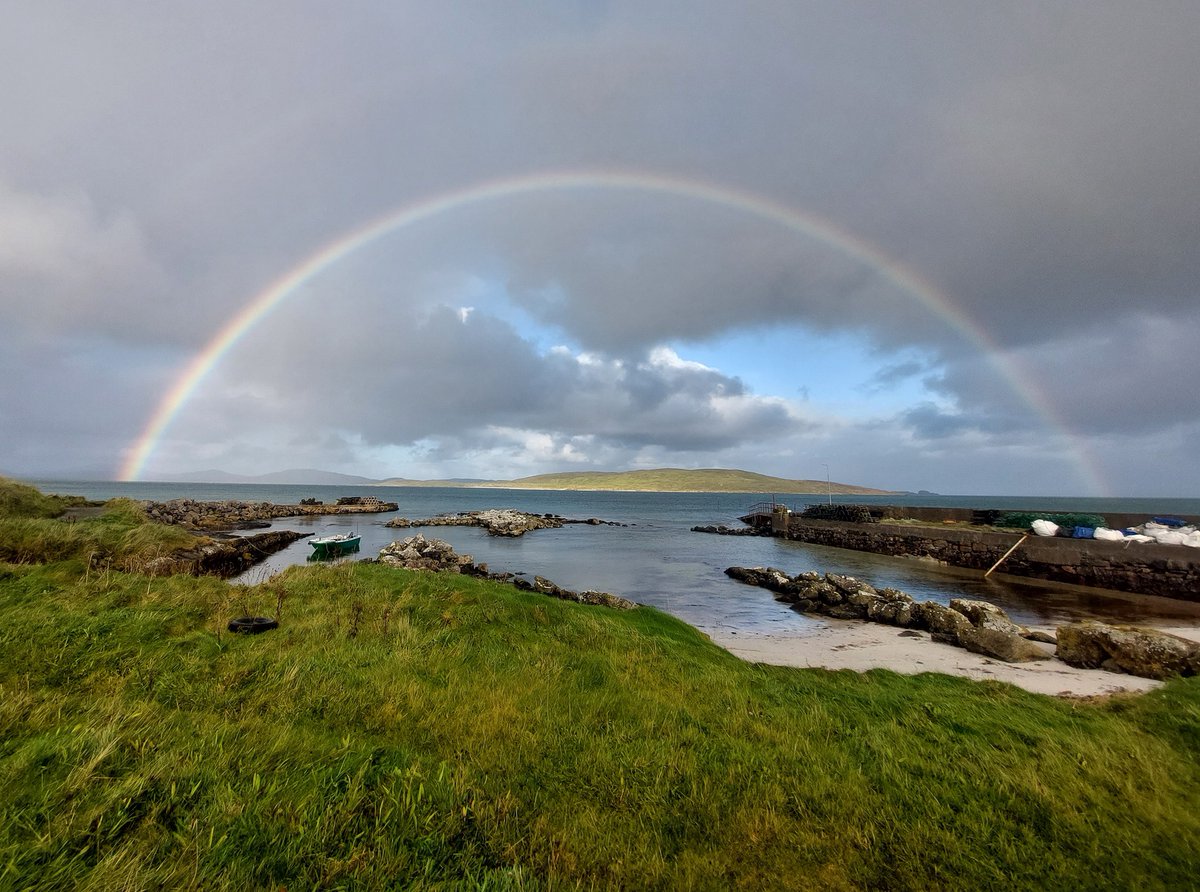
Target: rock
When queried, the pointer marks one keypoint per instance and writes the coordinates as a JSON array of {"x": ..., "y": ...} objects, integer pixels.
[
  {"x": 892, "y": 613},
  {"x": 223, "y": 559},
  {"x": 1000, "y": 638},
  {"x": 1148, "y": 653},
  {"x": 990, "y": 632},
  {"x": 497, "y": 521},
  {"x": 977, "y": 611},
  {"x": 604, "y": 599},
  {"x": 1036, "y": 635},
  {"x": 232, "y": 514},
  {"x": 944, "y": 623},
  {"x": 418, "y": 553}
]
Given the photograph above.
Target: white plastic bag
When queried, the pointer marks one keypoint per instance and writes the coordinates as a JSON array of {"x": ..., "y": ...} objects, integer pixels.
[{"x": 1108, "y": 535}]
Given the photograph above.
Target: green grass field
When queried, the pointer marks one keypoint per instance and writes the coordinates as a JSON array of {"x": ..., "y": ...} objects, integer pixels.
[{"x": 408, "y": 730}]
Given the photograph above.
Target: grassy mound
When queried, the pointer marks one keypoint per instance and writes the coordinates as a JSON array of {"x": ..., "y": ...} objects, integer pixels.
[
  {"x": 20, "y": 500},
  {"x": 121, "y": 537},
  {"x": 407, "y": 730}
]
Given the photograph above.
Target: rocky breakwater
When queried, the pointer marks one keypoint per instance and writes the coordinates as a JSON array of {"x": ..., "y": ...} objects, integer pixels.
[
  {"x": 419, "y": 553},
  {"x": 982, "y": 627},
  {"x": 722, "y": 530},
  {"x": 977, "y": 626},
  {"x": 236, "y": 515},
  {"x": 497, "y": 521},
  {"x": 225, "y": 557}
]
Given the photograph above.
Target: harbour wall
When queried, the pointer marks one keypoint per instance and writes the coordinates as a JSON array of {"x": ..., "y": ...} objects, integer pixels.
[{"x": 1171, "y": 571}]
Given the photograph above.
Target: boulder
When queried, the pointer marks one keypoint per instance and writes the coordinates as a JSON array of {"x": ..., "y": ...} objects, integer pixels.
[
  {"x": 977, "y": 611},
  {"x": 990, "y": 632},
  {"x": 1145, "y": 652},
  {"x": 604, "y": 599},
  {"x": 1001, "y": 638},
  {"x": 943, "y": 623}
]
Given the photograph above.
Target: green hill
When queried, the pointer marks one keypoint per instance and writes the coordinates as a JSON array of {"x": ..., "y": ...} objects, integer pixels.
[{"x": 681, "y": 480}]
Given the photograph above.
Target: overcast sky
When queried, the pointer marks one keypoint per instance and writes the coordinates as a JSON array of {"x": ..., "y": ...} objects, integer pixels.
[{"x": 1036, "y": 165}]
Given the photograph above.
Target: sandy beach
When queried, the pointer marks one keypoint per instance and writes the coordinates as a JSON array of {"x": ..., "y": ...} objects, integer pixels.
[{"x": 860, "y": 646}]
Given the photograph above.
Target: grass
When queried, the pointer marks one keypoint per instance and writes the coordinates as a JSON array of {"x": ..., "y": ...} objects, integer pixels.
[
  {"x": 20, "y": 500},
  {"x": 120, "y": 538},
  {"x": 408, "y": 730}
]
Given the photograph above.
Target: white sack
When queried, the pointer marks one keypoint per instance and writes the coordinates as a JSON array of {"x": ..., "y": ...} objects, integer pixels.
[{"x": 1045, "y": 527}]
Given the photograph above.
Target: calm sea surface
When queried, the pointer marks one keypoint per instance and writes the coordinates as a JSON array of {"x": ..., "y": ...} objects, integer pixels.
[{"x": 656, "y": 559}]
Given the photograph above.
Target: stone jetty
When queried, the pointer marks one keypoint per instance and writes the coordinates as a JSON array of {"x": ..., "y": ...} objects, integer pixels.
[
  {"x": 963, "y": 538},
  {"x": 235, "y": 515}
]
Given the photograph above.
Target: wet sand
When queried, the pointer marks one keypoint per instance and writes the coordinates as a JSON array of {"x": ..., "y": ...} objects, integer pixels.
[{"x": 861, "y": 646}]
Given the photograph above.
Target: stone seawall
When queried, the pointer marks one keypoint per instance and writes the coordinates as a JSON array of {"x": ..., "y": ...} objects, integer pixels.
[{"x": 1166, "y": 570}]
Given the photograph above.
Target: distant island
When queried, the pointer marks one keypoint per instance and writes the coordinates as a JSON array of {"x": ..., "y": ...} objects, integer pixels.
[
  {"x": 662, "y": 480},
  {"x": 655, "y": 480}
]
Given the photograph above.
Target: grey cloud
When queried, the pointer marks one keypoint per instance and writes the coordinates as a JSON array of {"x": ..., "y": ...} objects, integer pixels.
[
  {"x": 439, "y": 376},
  {"x": 1036, "y": 163}
]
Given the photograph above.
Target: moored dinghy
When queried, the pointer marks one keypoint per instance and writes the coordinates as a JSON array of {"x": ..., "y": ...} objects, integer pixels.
[{"x": 335, "y": 545}]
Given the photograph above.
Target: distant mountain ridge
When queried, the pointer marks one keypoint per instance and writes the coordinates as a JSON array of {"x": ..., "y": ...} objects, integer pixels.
[{"x": 290, "y": 477}]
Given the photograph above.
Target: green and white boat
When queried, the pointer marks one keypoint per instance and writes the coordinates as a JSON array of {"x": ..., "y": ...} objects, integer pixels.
[{"x": 335, "y": 545}]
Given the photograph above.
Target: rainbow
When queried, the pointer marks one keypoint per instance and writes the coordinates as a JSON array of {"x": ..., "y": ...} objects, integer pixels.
[{"x": 809, "y": 225}]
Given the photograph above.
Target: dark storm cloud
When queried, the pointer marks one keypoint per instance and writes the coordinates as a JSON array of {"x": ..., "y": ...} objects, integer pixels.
[
  {"x": 440, "y": 376},
  {"x": 1035, "y": 162}
]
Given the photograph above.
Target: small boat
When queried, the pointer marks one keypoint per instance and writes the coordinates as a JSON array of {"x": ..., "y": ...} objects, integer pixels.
[{"x": 335, "y": 545}]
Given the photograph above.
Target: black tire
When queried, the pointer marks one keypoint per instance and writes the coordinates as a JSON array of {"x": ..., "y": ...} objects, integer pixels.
[{"x": 252, "y": 625}]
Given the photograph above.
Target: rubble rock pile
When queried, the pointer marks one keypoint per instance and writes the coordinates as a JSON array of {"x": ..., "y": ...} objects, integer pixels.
[
  {"x": 418, "y": 553},
  {"x": 497, "y": 521}
]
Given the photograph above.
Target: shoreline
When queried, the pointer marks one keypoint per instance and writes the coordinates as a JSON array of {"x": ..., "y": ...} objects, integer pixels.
[{"x": 860, "y": 647}]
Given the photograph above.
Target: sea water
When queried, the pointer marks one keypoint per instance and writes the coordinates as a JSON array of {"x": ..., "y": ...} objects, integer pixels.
[{"x": 647, "y": 552}]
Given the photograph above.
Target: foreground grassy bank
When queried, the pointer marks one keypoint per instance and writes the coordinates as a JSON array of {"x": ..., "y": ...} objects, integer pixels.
[
  {"x": 417, "y": 731},
  {"x": 118, "y": 538}
]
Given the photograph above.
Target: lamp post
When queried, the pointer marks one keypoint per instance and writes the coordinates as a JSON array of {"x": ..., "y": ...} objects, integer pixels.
[{"x": 828, "y": 485}]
